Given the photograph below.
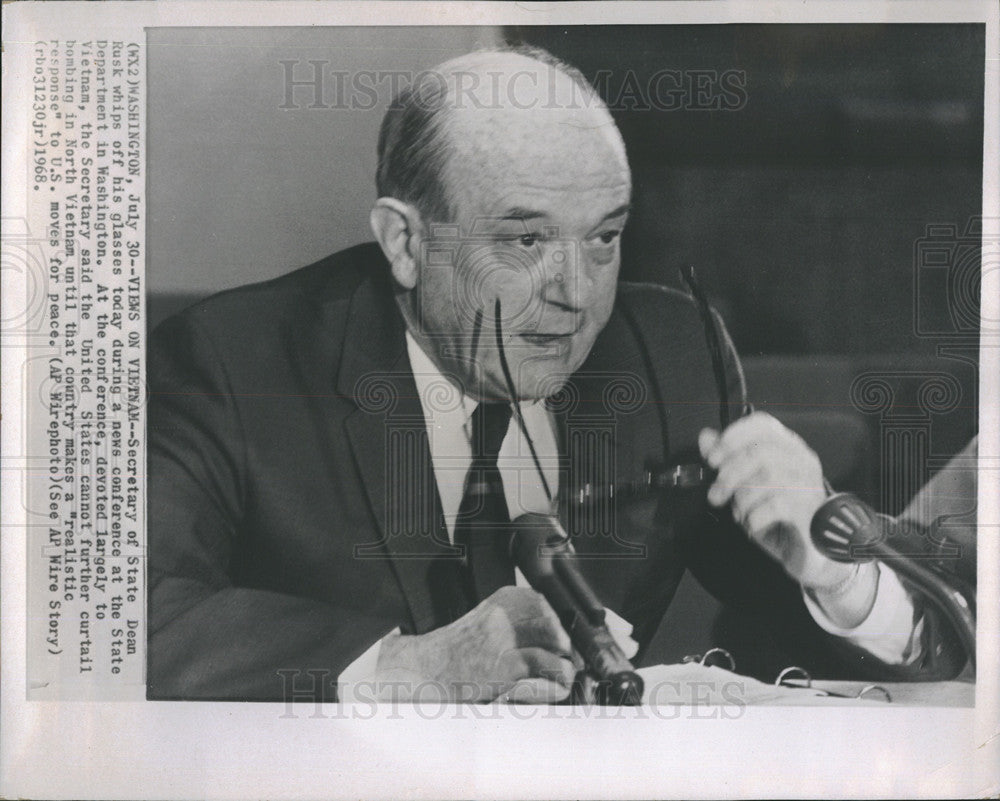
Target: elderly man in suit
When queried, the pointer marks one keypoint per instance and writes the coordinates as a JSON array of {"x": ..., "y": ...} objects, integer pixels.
[{"x": 316, "y": 441}]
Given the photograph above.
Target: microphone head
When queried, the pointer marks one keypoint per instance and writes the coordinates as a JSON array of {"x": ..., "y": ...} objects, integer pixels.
[{"x": 846, "y": 529}]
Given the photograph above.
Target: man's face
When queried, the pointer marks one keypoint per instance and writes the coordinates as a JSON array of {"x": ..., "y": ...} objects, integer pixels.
[{"x": 540, "y": 200}]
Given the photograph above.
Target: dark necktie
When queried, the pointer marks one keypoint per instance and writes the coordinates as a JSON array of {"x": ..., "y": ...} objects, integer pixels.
[{"x": 483, "y": 524}]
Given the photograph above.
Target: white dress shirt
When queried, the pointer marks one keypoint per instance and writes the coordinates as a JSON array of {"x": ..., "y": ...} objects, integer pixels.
[
  {"x": 888, "y": 632},
  {"x": 448, "y": 414}
]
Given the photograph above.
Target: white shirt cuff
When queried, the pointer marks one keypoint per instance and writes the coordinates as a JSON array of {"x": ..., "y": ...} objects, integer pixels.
[
  {"x": 619, "y": 628},
  {"x": 889, "y": 633},
  {"x": 360, "y": 670}
]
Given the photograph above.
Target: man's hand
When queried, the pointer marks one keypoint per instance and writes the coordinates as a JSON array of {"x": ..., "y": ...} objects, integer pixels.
[
  {"x": 511, "y": 646},
  {"x": 775, "y": 484}
]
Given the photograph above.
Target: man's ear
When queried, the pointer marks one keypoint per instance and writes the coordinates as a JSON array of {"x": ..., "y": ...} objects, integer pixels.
[{"x": 397, "y": 228}]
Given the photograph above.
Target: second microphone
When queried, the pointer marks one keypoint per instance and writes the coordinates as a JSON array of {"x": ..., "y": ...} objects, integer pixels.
[{"x": 541, "y": 548}]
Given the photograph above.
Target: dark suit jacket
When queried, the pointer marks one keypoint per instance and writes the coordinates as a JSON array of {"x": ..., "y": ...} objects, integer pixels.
[{"x": 293, "y": 516}]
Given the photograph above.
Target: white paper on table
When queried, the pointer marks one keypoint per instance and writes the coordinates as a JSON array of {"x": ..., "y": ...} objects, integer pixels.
[{"x": 699, "y": 685}]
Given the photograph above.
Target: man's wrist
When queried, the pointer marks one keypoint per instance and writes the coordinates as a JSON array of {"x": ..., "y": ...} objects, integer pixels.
[{"x": 849, "y": 601}]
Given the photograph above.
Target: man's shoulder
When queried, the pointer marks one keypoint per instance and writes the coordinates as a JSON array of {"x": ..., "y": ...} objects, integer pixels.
[
  {"x": 655, "y": 305},
  {"x": 295, "y": 296},
  {"x": 651, "y": 323}
]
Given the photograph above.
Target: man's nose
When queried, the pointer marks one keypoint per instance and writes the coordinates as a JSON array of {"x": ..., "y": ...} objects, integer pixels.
[{"x": 566, "y": 281}]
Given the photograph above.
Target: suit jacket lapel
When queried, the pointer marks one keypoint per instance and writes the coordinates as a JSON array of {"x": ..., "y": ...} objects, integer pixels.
[
  {"x": 388, "y": 437},
  {"x": 595, "y": 421}
]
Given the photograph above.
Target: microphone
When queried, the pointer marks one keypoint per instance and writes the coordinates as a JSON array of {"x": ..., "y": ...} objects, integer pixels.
[
  {"x": 846, "y": 529},
  {"x": 542, "y": 550}
]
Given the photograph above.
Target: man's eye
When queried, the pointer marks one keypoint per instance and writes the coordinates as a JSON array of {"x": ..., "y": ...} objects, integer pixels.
[
  {"x": 609, "y": 236},
  {"x": 528, "y": 240}
]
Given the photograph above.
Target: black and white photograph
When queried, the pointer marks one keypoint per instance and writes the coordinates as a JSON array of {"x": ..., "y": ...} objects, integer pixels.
[
  {"x": 615, "y": 363},
  {"x": 506, "y": 400}
]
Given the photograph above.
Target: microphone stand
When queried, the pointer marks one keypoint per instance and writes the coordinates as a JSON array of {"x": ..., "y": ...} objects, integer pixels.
[{"x": 542, "y": 550}]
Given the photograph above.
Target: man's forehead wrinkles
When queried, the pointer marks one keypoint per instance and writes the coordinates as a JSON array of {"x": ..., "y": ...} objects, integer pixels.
[
  {"x": 508, "y": 192},
  {"x": 510, "y": 122},
  {"x": 542, "y": 163},
  {"x": 512, "y": 126},
  {"x": 567, "y": 167},
  {"x": 510, "y": 136},
  {"x": 532, "y": 192},
  {"x": 499, "y": 194}
]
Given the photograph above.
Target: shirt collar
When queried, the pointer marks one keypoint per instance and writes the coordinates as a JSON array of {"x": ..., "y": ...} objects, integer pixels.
[{"x": 439, "y": 397}]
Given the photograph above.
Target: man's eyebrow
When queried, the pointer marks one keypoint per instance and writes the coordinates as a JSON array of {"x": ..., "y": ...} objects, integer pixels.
[
  {"x": 518, "y": 213},
  {"x": 625, "y": 208}
]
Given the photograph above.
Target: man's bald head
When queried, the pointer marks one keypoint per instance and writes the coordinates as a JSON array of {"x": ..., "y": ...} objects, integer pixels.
[
  {"x": 474, "y": 115},
  {"x": 518, "y": 154}
]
